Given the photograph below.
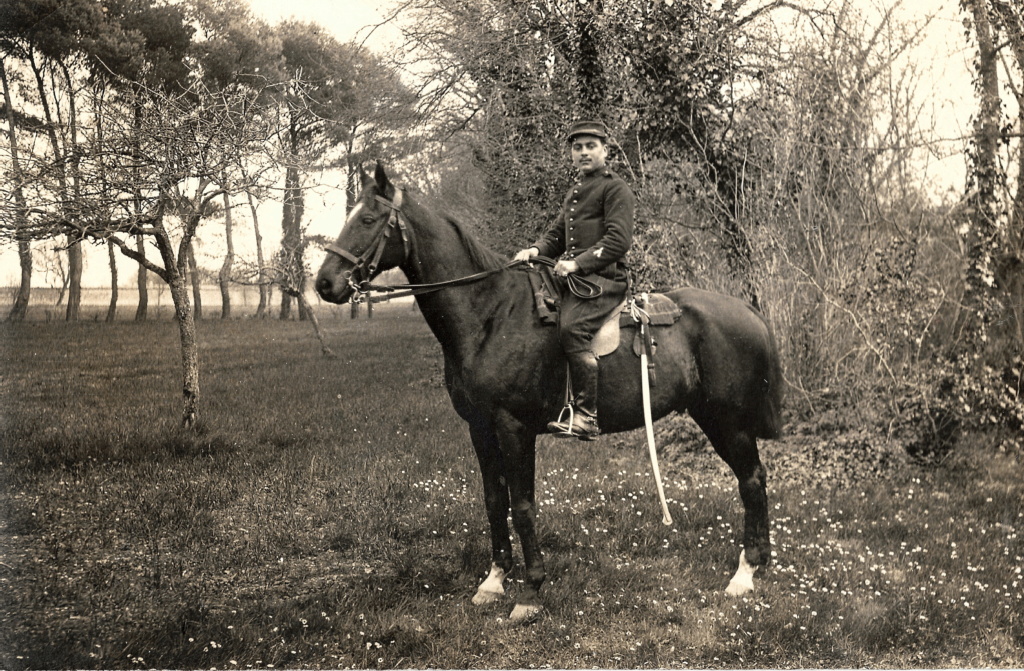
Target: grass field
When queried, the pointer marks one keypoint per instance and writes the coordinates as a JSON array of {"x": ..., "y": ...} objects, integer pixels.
[{"x": 329, "y": 514}]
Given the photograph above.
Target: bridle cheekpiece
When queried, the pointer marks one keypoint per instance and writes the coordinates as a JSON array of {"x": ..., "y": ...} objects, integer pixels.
[{"x": 365, "y": 265}]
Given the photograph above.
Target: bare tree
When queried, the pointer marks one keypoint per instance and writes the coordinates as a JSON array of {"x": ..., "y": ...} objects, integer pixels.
[
  {"x": 177, "y": 159},
  {"x": 20, "y": 306}
]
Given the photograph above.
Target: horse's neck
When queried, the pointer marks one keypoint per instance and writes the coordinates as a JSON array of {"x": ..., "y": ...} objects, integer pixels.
[{"x": 440, "y": 254}]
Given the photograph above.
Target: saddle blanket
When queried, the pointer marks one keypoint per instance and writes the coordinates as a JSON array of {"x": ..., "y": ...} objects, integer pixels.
[{"x": 661, "y": 310}]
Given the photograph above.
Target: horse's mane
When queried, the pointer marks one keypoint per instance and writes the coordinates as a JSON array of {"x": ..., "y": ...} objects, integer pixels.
[{"x": 479, "y": 254}]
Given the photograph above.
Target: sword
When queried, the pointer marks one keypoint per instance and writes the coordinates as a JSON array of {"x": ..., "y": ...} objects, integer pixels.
[{"x": 645, "y": 385}]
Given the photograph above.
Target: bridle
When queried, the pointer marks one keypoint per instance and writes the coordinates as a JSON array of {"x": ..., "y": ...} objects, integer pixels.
[{"x": 366, "y": 263}]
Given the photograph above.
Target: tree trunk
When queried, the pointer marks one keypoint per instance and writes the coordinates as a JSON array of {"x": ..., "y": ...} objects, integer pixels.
[
  {"x": 62, "y": 158},
  {"x": 261, "y": 309},
  {"x": 141, "y": 312},
  {"x": 291, "y": 232},
  {"x": 75, "y": 257},
  {"x": 112, "y": 308},
  {"x": 20, "y": 308},
  {"x": 62, "y": 290},
  {"x": 189, "y": 350},
  {"x": 142, "y": 279},
  {"x": 738, "y": 252},
  {"x": 591, "y": 84},
  {"x": 193, "y": 273},
  {"x": 229, "y": 259},
  {"x": 1017, "y": 214},
  {"x": 73, "y": 310},
  {"x": 983, "y": 228},
  {"x": 177, "y": 280},
  {"x": 1010, "y": 17}
]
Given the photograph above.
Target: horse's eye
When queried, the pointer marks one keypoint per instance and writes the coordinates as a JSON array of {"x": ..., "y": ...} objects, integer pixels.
[{"x": 368, "y": 220}]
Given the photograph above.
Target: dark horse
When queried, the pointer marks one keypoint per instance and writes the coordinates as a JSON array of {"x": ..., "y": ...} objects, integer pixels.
[{"x": 506, "y": 374}]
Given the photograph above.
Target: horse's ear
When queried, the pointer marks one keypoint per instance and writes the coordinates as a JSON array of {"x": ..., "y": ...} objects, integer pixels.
[
  {"x": 381, "y": 178},
  {"x": 362, "y": 175}
]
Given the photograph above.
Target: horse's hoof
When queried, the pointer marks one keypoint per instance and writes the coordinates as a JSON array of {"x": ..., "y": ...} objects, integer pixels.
[
  {"x": 739, "y": 587},
  {"x": 486, "y": 597},
  {"x": 743, "y": 582},
  {"x": 523, "y": 614}
]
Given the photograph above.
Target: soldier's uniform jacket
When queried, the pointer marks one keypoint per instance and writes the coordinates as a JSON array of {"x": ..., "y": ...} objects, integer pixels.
[{"x": 595, "y": 225}]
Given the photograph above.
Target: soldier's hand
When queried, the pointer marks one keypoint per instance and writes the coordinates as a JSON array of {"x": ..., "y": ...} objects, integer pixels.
[
  {"x": 566, "y": 267},
  {"x": 526, "y": 254}
]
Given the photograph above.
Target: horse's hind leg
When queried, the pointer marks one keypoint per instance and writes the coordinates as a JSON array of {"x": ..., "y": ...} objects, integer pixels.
[
  {"x": 492, "y": 468},
  {"x": 739, "y": 450}
]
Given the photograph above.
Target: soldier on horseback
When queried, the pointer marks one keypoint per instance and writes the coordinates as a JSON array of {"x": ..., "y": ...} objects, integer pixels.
[{"x": 590, "y": 237}]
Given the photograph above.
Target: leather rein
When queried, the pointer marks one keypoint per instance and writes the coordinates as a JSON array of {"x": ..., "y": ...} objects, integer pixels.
[{"x": 366, "y": 263}]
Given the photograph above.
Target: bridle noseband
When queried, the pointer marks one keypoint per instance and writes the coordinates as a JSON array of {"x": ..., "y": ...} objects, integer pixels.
[{"x": 366, "y": 264}]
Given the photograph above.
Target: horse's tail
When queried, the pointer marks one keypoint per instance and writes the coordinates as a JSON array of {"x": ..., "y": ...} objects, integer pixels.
[{"x": 771, "y": 409}]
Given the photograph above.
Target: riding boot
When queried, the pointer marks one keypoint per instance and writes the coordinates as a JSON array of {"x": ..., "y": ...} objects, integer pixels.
[{"x": 582, "y": 420}]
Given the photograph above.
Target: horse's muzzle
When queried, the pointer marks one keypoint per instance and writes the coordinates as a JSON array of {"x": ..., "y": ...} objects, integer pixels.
[{"x": 331, "y": 290}]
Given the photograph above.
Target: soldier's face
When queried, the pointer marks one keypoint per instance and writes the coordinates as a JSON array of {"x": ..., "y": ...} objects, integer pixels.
[{"x": 589, "y": 153}]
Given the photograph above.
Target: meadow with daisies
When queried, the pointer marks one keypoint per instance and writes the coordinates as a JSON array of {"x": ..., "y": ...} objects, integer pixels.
[{"x": 328, "y": 514}]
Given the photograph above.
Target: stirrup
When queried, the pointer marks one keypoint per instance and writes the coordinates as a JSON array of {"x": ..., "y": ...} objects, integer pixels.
[
  {"x": 563, "y": 428},
  {"x": 568, "y": 428}
]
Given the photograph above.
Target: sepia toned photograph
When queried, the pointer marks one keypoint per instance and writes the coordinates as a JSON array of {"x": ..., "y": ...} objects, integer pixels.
[{"x": 511, "y": 334}]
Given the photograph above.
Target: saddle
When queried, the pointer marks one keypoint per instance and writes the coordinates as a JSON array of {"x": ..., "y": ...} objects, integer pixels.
[{"x": 657, "y": 310}]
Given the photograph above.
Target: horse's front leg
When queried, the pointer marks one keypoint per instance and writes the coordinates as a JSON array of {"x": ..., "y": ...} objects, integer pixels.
[
  {"x": 492, "y": 469},
  {"x": 518, "y": 444}
]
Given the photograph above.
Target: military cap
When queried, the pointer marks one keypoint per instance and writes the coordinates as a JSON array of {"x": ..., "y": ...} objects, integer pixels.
[{"x": 595, "y": 128}]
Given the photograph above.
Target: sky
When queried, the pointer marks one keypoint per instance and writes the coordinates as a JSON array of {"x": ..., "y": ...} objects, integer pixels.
[
  {"x": 345, "y": 19},
  {"x": 946, "y": 95}
]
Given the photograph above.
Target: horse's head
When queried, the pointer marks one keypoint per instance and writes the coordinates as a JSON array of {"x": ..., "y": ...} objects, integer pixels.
[{"x": 373, "y": 239}]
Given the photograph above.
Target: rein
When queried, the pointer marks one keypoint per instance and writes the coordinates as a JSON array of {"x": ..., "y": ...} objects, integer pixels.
[{"x": 579, "y": 286}]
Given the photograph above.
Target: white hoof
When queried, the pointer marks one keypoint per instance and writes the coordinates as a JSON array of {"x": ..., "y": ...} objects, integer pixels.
[
  {"x": 523, "y": 614},
  {"x": 492, "y": 588},
  {"x": 485, "y": 597},
  {"x": 739, "y": 587},
  {"x": 743, "y": 582}
]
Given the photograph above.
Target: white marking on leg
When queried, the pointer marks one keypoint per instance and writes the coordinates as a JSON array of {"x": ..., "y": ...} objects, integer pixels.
[
  {"x": 492, "y": 588},
  {"x": 743, "y": 581}
]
